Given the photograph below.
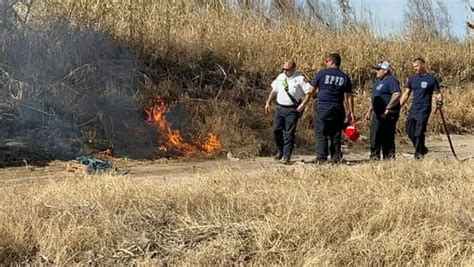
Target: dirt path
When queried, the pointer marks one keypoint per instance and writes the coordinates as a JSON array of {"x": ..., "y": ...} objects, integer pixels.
[
  {"x": 439, "y": 149},
  {"x": 175, "y": 171}
]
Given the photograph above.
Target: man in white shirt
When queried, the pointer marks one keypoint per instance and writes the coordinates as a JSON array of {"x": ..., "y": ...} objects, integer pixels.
[{"x": 289, "y": 88}]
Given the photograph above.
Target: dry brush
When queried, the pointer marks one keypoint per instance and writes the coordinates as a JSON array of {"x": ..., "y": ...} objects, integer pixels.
[
  {"x": 394, "y": 213},
  {"x": 217, "y": 61}
]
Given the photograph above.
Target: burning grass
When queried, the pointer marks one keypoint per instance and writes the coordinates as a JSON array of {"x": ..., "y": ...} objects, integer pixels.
[
  {"x": 396, "y": 213},
  {"x": 172, "y": 139}
]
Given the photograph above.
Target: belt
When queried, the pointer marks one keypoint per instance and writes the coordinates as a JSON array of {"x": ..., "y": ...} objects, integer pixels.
[{"x": 287, "y": 106}]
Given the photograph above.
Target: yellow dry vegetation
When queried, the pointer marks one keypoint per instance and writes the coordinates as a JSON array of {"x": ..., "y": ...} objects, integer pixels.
[
  {"x": 385, "y": 213},
  {"x": 187, "y": 31},
  {"x": 229, "y": 56},
  {"x": 388, "y": 213}
]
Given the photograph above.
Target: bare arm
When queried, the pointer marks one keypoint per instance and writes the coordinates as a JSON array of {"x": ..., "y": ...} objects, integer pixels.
[
  {"x": 369, "y": 114},
  {"x": 405, "y": 97},
  {"x": 439, "y": 95},
  {"x": 350, "y": 104},
  {"x": 393, "y": 100},
  {"x": 306, "y": 99},
  {"x": 268, "y": 103}
]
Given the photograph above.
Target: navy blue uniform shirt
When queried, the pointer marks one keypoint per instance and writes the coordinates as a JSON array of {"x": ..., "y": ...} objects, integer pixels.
[
  {"x": 382, "y": 91},
  {"x": 422, "y": 87},
  {"x": 332, "y": 84}
]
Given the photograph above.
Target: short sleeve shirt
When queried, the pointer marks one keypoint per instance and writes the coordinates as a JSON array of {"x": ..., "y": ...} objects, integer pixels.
[
  {"x": 382, "y": 91},
  {"x": 422, "y": 87},
  {"x": 332, "y": 84},
  {"x": 297, "y": 88}
]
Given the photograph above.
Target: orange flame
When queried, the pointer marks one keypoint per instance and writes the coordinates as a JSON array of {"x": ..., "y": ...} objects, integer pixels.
[
  {"x": 211, "y": 145},
  {"x": 174, "y": 140}
]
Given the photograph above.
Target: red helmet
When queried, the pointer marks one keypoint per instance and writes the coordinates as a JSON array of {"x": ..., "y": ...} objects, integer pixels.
[{"x": 351, "y": 132}]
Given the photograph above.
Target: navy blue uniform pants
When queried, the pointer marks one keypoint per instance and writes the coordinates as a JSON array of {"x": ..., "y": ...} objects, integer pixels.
[
  {"x": 284, "y": 129},
  {"x": 415, "y": 128},
  {"x": 328, "y": 125},
  {"x": 382, "y": 136}
]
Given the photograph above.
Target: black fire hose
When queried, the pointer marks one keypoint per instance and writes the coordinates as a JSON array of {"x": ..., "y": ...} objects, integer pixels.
[{"x": 439, "y": 107}]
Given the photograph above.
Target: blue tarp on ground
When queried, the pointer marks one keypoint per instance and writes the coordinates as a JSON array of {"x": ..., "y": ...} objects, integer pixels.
[{"x": 97, "y": 165}]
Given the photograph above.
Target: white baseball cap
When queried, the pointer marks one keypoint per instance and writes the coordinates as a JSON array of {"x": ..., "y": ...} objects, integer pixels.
[{"x": 383, "y": 65}]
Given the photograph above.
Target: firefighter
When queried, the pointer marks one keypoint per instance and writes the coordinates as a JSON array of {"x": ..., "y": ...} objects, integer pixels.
[
  {"x": 422, "y": 84},
  {"x": 384, "y": 111},
  {"x": 332, "y": 86},
  {"x": 288, "y": 88}
]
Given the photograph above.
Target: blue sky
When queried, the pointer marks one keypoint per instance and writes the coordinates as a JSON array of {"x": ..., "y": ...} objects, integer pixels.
[{"x": 388, "y": 14}]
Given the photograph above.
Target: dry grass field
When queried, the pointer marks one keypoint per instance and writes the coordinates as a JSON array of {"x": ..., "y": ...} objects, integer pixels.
[
  {"x": 81, "y": 74},
  {"x": 390, "y": 213}
]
